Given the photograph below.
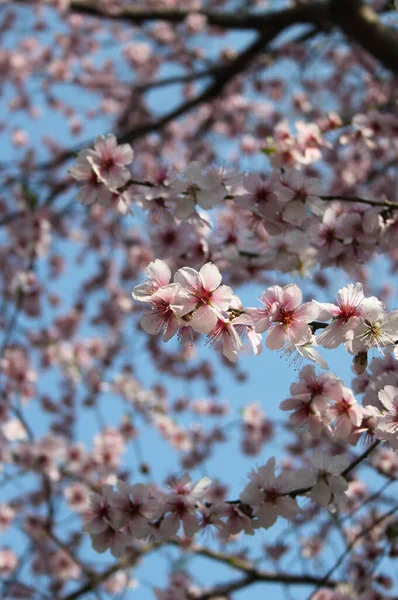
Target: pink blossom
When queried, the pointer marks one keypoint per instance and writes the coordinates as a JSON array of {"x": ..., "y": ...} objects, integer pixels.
[
  {"x": 180, "y": 504},
  {"x": 330, "y": 486},
  {"x": 319, "y": 386},
  {"x": 290, "y": 321},
  {"x": 387, "y": 423},
  {"x": 203, "y": 295},
  {"x": 7, "y": 514},
  {"x": 98, "y": 515},
  {"x": 225, "y": 337},
  {"x": 267, "y": 495},
  {"x": 296, "y": 193},
  {"x": 345, "y": 412},
  {"x": 163, "y": 312},
  {"x": 307, "y": 412},
  {"x": 109, "y": 538},
  {"x": 263, "y": 317},
  {"x": 109, "y": 161},
  {"x": 201, "y": 188},
  {"x": 345, "y": 315},
  {"x": 159, "y": 275},
  {"x": 93, "y": 189},
  {"x": 132, "y": 506},
  {"x": 260, "y": 192},
  {"x": 375, "y": 328}
]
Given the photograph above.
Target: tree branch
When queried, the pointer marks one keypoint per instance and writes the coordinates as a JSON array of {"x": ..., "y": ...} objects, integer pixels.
[
  {"x": 360, "y": 23},
  {"x": 325, "y": 579},
  {"x": 225, "y": 20},
  {"x": 272, "y": 27},
  {"x": 252, "y": 575}
]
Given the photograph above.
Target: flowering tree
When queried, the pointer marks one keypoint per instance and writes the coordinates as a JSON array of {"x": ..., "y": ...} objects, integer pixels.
[{"x": 253, "y": 153}]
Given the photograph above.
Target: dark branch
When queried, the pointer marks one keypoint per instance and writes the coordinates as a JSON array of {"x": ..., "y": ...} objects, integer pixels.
[
  {"x": 361, "y": 24},
  {"x": 225, "y": 20}
]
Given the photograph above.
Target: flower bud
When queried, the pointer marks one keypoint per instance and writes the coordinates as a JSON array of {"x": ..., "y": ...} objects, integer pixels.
[{"x": 360, "y": 363}]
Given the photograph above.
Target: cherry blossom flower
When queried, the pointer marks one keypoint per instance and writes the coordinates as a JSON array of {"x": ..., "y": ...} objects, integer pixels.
[
  {"x": 225, "y": 337},
  {"x": 330, "y": 487},
  {"x": 345, "y": 315},
  {"x": 200, "y": 188},
  {"x": 263, "y": 317},
  {"x": 7, "y": 514},
  {"x": 163, "y": 312},
  {"x": 261, "y": 194},
  {"x": 93, "y": 189},
  {"x": 296, "y": 193},
  {"x": 97, "y": 517},
  {"x": 8, "y": 562},
  {"x": 319, "y": 386},
  {"x": 77, "y": 496},
  {"x": 203, "y": 295},
  {"x": 267, "y": 495},
  {"x": 387, "y": 423},
  {"x": 290, "y": 321},
  {"x": 257, "y": 429},
  {"x": 109, "y": 161},
  {"x": 159, "y": 275},
  {"x": 345, "y": 412},
  {"x": 377, "y": 328},
  {"x": 307, "y": 412},
  {"x": 235, "y": 521},
  {"x": 64, "y": 566},
  {"x": 110, "y": 538},
  {"x": 180, "y": 505},
  {"x": 132, "y": 506}
]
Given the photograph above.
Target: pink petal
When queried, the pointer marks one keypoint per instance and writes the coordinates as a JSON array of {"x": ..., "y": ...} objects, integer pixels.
[
  {"x": 166, "y": 293},
  {"x": 332, "y": 336},
  {"x": 211, "y": 276},
  {"x": 159, "y": 272},
  {"x": 307, "y": 312},
  {"x": 276, "y": 337},
  {"x": 204, "y": 319},
  {"x": 187, "y": 277},
  {"x": 172, "y": 327},
  {"x": 267, "y": 515},
  {"x": 221, "y": 297},
  {"x": 190, "y": 524},
  {"x": 151, "y": 323},
  {"x": 299, "y": 333},
  {"x": 326, "y": 310},
  {"x": 291, "y": 297}
]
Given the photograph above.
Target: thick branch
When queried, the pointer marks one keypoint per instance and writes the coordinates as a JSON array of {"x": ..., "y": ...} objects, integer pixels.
[
  {"x": 252, "y": 575},
  {"x": 225, "y": 20},
  {"x": 274, "y": 25},
  {"x": 361, "y": 23}
]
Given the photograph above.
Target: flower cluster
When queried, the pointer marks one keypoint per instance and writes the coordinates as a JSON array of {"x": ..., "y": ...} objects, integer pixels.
[
  {"x": 115, "y": 519},
  {"x": 307, "y": 191},
  {"x": 103, "y": 172},
  {"x": 198, "y": 301}
]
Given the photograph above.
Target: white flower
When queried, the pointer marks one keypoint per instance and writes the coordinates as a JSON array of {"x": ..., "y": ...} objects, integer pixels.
[
  {"x": 204, "y": 189},
  {"x": 331, "y": 486},
  {"x": 268, "y": 495}
]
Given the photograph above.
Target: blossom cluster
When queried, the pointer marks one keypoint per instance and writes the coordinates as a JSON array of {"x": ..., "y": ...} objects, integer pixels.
[
  {"x": 322, "y": 197},
  {"x": 197, "y": 301},
  {"x": 322, "y": 405},
  {"x": 103, "y": 171},
  {"x": 286, "y": 197},
  {"x": 282, "y": 221},
  {"x": 117, "y": 518}
]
